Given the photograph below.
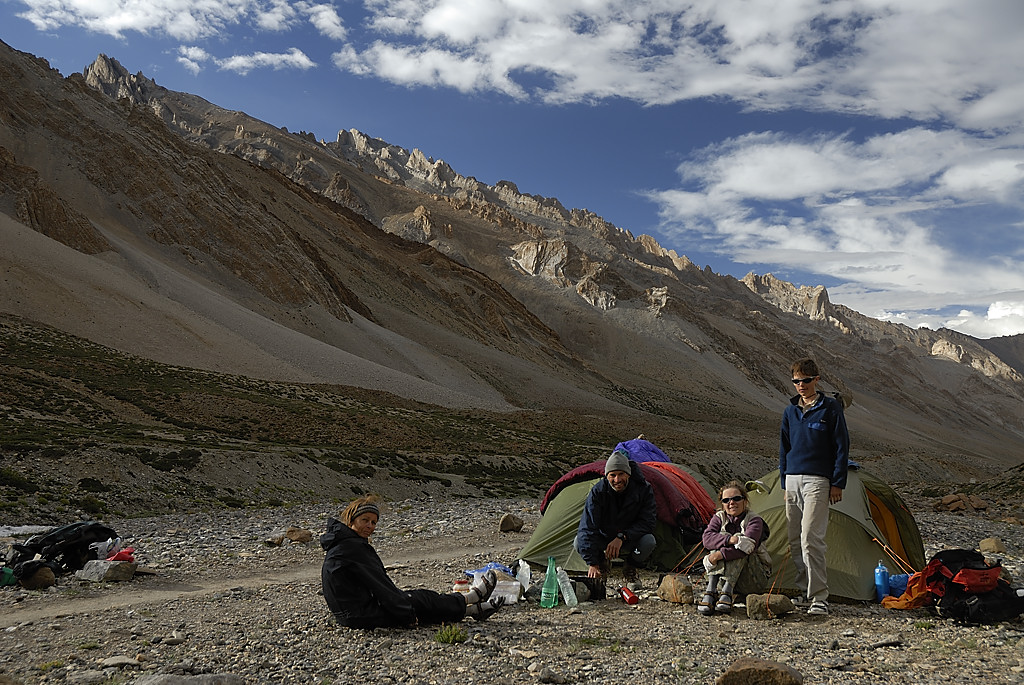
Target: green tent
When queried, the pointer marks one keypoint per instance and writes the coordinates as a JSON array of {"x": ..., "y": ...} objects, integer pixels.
[
  {"x": 557, "y": 528},
  {"x": 871, "y": 523}
]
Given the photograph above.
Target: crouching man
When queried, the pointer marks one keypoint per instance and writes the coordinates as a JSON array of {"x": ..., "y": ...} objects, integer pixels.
[{"x": 618, "y": 519}]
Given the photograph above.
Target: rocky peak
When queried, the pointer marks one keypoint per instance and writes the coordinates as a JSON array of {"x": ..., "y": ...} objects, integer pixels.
[
  {"x": 108, "y": 76},
  {"x": 808, "y": 301}
]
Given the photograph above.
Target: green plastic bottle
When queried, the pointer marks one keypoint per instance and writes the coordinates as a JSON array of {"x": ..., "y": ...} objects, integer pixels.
[{"x": 549, "y": 591}]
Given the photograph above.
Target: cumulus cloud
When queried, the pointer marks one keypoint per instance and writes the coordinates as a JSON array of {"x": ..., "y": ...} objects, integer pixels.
[
  {"x": 192, "y": 57},
  {"x": 325, "y": 18},
  {"x": 863, "y": 213},
  {"x": 243, "y": 64}
]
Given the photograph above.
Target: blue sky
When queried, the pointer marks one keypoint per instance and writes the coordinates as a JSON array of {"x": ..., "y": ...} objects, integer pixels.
[{"x": 873, "y": 147}]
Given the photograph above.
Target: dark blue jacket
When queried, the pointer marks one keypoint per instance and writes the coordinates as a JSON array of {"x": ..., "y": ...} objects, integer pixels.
[
  {"x": 608, "y": 513},
  {"x": 814, "y": 442}
]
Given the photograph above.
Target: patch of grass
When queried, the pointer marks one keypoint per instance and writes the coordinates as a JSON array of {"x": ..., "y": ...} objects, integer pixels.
[
  {"x": 13, "y": 479},
  {"x": 89, "y": 645},
  {"x": 90, "y": 505},
  {"x": 232, "y": 502},
  {"x": 924, "y": 625},
  {"x": 50, "y": 665},
  {"x": 451, "y": 634}
]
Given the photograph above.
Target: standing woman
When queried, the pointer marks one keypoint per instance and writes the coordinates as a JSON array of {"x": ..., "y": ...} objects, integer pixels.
[
  {"x": 361, "y": 595},
  {"x": 736, "y": 562}
]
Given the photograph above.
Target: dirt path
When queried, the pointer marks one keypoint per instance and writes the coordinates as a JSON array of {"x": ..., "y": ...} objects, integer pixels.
[{"x": 155, "y": 590}]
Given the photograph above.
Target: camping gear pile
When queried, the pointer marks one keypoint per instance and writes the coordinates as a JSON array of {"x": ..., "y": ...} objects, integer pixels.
[
  {"x": 65, "y": 549},
  {"x": 961, "y": 585}
]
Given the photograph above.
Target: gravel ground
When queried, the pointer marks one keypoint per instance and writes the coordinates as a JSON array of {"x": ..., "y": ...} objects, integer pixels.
[{"x": 220, "y": 600}]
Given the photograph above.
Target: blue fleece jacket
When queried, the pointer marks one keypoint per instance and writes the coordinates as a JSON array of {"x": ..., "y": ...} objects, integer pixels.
[{"x": 814, "y": 442}]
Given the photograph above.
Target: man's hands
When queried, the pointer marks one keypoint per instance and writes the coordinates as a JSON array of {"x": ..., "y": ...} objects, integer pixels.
[
  {"x": 835, "y": 495},
  {"x": 612, "y": 550},
  {"x": 594, "y": 572}
]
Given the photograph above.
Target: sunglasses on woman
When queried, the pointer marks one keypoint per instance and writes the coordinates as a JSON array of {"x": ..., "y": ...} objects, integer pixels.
[{"x": 737, "y": 498}]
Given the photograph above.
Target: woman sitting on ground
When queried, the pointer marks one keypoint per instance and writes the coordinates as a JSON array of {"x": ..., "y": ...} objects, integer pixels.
[
  {"x": 737, "y": 562},
  {"x": 361, "y": 595}
]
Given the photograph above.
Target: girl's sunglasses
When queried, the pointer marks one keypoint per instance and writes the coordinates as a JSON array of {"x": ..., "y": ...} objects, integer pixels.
[{"x": 737, "y": 498}]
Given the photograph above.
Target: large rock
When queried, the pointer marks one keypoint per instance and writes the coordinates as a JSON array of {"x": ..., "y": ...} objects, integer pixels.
[
  {"x": 510, "y": 523},
  {"x": 750, "y": 671},
  {"x": 764, "y": 607},
  {"x": 676, "y": 588},
  {"x": 102, "y": 571},
  {"x": 301, "y": 535}
]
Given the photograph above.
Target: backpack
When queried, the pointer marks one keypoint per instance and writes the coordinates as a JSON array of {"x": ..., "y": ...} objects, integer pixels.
[
  {"x": 65, "y": 548},
  {"x": 969, "y": 590}
]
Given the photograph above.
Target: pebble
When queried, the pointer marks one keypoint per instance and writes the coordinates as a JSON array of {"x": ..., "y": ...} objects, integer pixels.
[{"x": 223, "y": 604}]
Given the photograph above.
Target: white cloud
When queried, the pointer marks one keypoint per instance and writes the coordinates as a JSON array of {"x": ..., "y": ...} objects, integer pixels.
[
  {"x": 1002, "y": 318},
  {"x": 243, "y": 64},
  {"x": 180, "y": 19},
  {"x": 192, "y": 57},
  {"x": 277, "y": 15},
  {"x": 863, "y": 213},
  {"x": 325, "y": 18}
]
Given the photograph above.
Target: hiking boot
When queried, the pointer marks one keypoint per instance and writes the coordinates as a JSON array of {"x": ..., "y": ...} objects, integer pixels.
[
  {"x": 630, "y": 575},
  {"x": 818, "y": 608}
]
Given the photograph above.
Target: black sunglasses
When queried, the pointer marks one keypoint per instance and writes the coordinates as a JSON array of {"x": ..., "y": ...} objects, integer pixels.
[
  {"x": 737, "y": 498},
  {"x": 798, "y": 381}
]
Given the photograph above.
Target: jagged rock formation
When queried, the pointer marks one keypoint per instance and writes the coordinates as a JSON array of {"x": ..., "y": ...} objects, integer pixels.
[{"x": 386, "y": 269}]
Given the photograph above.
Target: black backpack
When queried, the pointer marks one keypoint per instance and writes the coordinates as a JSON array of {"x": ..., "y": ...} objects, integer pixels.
[
  {"x": 969, "y": 590},
  {"x": 65, "y": 548}
]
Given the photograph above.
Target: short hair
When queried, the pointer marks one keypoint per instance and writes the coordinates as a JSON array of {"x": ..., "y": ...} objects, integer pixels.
[
  {"x": 348, "y": 514},
  {"x": 805, "y": 366},
  {"x": 733, "y": 485}
]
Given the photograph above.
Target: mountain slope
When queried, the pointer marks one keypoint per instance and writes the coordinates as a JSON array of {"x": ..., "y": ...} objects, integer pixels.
[{"x": 163, "y": 226}]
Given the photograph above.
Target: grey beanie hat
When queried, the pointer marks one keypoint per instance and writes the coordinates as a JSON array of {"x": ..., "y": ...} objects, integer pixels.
[{"x": 619, "y": 461}]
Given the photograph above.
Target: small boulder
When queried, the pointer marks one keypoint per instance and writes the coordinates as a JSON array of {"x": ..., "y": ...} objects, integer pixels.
[
  {"x": 992, "y": 545},
  {"x": 103, "y": 571},
  {"x": 40, "y": 580},
  {"x": 768, "y": 606},
  {"x": 300, "y": 535},
  {"x": 750, "y": 671},
  {"x": 676, "y": 588},
  {"x": 510, "y": 523}
]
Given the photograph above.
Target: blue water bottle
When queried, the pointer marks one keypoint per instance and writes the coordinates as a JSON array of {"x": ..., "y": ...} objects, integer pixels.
[{"x": 881, "y": 581}]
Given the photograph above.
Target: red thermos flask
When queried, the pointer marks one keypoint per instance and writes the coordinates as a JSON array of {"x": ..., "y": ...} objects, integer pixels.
[{"x": 628, "y": 596}]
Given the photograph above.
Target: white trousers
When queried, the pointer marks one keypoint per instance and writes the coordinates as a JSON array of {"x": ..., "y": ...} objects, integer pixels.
[{"x": 807, "y": 522}]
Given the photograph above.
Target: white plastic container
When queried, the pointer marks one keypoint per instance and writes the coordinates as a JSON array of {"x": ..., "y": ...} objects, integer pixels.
[{"x": 509, "y": 589}]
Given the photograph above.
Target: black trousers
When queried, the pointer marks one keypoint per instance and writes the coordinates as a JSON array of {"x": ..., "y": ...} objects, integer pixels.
[{"x": 433, "y": 607}]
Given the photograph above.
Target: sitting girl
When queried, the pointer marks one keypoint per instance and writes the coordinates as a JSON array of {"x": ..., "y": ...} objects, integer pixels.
[{"x": 737, "y": 562}]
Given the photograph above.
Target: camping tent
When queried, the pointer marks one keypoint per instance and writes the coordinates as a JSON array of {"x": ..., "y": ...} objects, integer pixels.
[
  {"x": 684, "y": 507},
  {"x": 871, "y": 522}
]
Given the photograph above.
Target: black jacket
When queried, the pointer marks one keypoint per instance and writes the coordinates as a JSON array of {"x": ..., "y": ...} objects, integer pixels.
[{"x": 356, "y": 586}]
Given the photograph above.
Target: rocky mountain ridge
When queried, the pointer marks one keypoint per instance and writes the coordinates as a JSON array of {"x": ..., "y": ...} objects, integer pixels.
[{"x": 160, "y": 225}]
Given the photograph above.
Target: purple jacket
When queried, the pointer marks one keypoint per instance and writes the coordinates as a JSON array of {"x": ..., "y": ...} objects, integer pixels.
[{"x": 722, "y": 526}]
